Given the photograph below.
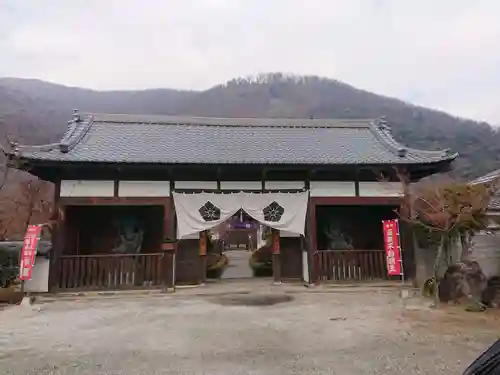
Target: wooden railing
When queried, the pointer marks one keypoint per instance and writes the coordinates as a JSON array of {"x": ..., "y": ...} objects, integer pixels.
[
  {"x": 347, "y": 265},
  {"x": 115, "y": 271}
]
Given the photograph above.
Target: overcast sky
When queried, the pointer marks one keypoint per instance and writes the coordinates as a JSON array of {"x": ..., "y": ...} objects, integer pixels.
[{"x": 439, "y": 53}]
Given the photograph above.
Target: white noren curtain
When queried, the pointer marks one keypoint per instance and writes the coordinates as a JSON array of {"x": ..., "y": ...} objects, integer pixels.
[{"x": 202, "y": 211}]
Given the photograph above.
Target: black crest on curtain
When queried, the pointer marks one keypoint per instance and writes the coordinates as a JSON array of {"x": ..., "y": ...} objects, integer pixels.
[
  {"x": 209, "y": 212},
  {"x": 273, "y": 212}
]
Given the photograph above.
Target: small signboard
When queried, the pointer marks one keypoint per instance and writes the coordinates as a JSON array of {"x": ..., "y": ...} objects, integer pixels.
[
  {"x": 28, "y": 252},
  {"x": 392, "y": 247}
]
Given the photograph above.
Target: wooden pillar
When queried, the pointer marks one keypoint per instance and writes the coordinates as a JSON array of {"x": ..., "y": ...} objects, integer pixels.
[
  {"x": 168, "y": 248},
  {"x": 56, "y": 250},
  {"x": 413, "y": 260},
  {"x": 276, "y": 255},
  {"x": 166, "y": 219},
  {"x": 310, "y": 239},
  {"x": 203, "y": 256},
  {"x": 172, "y": 220},
  {"x": 58, "y": 233}
]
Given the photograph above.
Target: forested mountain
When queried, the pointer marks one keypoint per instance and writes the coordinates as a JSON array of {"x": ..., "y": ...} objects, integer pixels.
[{"x": 34, "y": 111}]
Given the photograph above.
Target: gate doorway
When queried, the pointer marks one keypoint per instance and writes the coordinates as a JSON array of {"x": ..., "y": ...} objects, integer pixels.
[
  {"x": 231, "y": 232},
  {"x": 240, "y": 238},
  {"x": 240, "y": 248}
]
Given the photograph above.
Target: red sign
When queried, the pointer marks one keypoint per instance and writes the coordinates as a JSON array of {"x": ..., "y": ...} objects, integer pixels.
[
  {"x": 392, "y": 248},
  {"x": 28, "y": 251}
]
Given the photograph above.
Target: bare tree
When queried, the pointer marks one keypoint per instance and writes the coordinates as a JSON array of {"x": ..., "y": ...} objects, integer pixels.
[
  {"x": 29, "y": 203},
  {"x": 34, "y": 202},
  {"x": 4, "y": 166},
  {"x": 6, "y": 219}
]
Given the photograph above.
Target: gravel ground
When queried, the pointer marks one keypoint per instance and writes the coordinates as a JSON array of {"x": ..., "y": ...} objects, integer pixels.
[{"x": 359, "y": 332}]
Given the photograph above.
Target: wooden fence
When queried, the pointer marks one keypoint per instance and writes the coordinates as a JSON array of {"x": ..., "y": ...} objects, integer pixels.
[
  {"x": 349, "y": 265},
  {"x": 115, "y": 271}
]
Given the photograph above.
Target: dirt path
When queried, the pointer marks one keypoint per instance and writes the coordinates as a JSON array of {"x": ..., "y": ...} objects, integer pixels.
[{"x": 365, "y": 332}]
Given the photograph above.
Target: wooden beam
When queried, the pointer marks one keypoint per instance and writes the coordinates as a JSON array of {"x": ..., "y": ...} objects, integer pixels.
[
  {"x": 112, "y": 201},
  {"x": 356, "y": 184},
  {"x": 356, "y": 201},
  {"x": 116, "y": 186},
  {"x": 218, "y": 176},
  {"x": 263, "y": 179}
]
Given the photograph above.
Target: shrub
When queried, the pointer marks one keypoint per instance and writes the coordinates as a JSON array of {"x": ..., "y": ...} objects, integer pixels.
[{"x": 9, "y": 267}]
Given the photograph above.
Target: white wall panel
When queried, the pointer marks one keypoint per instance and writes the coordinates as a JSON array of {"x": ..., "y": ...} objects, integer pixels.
[
  {"x": 305, "y": 267},
  {"x": 284, "y": 185},
  {"x": 380, "y": 189},
  {"x": 241, "y": 185},
  {"x": 333, "y": 189},
  {"x": 144, "y": 188},
  {"x": 196, "y": 185},
  {"x": 87, "y": 188},
  {"x": 39, "y": 281},
  {"x": 486, "y": 252}
]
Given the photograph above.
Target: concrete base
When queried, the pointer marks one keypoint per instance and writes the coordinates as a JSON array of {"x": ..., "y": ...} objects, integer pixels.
[
  {"x": 309, "y": 285},
  {"x": 233, "y": 287},
  {"x": 28, "y": 301}
]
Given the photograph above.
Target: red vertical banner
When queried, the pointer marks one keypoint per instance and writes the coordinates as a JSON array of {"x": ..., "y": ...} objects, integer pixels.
[
  {"x": 392, "y": 247},
  {"x": 28, "y": 252}
]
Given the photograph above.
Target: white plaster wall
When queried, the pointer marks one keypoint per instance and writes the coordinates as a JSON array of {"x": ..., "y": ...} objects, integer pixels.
[
  {"x": 196, "y": 185},
  {"x": 380, "y": 189},
  {"x": 486, "y": 251},
  {"x": 86, "y": 188},
  {"x": 333, "y": 189},
  {"x": 305, "y": 267},
  {"x": 284, "y": 185},
  {"x": 144, "y": 188},
  {"x": 241, "y": 185},
  {"x": 39, "y": 281}
]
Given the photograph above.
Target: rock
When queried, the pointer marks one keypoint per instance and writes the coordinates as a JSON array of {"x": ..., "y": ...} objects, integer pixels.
[
  {"x": 475, "y": 306},
  {"x": 491, "y": 295},
  {"x": 462, "y": 280}
]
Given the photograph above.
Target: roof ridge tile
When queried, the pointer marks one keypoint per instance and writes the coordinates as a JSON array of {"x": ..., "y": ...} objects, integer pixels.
[{"x": 230, "y": 121}]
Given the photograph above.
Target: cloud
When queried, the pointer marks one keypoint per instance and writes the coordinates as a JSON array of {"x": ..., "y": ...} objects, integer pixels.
[{"x": 443, "y": 54}]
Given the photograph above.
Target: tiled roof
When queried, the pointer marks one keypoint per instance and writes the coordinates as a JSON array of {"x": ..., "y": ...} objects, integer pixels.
[
  {"x": 488, "y": 178},
  {"x": 195, "y": 140}
]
